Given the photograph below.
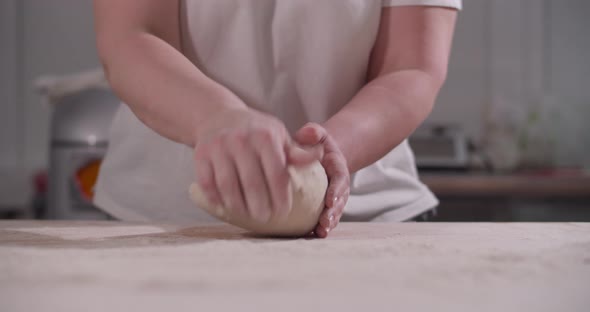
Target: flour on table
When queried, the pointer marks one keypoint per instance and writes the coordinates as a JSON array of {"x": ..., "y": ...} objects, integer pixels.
[
  {"x": 92, "y": 232},
  {"x": 452, "y": 267}
]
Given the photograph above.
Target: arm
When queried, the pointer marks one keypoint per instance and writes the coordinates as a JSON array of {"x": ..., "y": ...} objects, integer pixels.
[
  {"x": 139, "y": 46},
  {"x": 240, "y": 154},
  {"x": 408, "y": 67}
]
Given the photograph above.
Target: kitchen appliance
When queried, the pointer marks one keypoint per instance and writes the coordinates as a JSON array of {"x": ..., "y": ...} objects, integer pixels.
[
  {"x": 80, "y": 122},
  {"x": 440, "y": 147}
]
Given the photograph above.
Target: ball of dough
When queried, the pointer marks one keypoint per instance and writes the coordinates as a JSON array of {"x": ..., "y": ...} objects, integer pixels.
[{"x": 308, "y": 188}]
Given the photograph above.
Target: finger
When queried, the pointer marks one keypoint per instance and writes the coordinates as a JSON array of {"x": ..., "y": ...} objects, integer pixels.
[
  {"x": 311, "y": 134},
  {"x": 331, "y": 216},
  {"x": 299, "y": 156},
  {"x": 336, "y": 198},
  {"x": 252, "y": 180},
  {"x": 339, "y": 178},
  {"x": 321, "y": 232},
  {"x": 274, "y": 165},
  {"x": 337, "y": 189},
  {"x": 338, "y": 211},
  {"x": 206, "y": 180},
  {"x": 227, "y": 181},
  {"x": 326, "y": 218}
]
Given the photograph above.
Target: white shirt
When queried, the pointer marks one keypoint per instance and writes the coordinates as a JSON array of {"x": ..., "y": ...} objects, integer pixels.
[{"x": 299, "y": 60}]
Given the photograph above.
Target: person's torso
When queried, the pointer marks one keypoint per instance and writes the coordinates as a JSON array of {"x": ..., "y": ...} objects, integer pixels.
[{"x": 298, "y": 60}]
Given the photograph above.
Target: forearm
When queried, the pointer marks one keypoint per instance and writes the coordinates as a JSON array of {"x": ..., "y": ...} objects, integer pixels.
[
  {"x": 162, "y": 87},
  {"x": 382, "y": 114}
]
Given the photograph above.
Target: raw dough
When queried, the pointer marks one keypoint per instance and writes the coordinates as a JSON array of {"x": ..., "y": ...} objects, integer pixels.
[{"x": 308, "y": 189}]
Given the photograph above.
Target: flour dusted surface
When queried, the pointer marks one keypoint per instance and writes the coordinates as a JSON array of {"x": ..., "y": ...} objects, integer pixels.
[{"x": 380, "y": 267}]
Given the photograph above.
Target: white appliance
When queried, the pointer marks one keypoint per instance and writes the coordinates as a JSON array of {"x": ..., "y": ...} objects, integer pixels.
[
  {"x": 83, "y": 107},
  {"x": 440, "y": 147}
]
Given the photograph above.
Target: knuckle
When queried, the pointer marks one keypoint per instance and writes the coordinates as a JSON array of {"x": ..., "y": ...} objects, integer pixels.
[
  {"x": 207, "y": 184},
  {"x": 229, "y": 141},
  {"x": 240, "y": 137},
  {"x": 223, "y": 140},
  {"x": 264, "y": 134},
  {"x": 220, "y": 137},
  {"x": 212, "y": 147}
]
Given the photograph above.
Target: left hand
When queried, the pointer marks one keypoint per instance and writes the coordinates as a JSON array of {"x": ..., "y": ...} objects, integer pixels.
[{"x": 336, "y": 168}]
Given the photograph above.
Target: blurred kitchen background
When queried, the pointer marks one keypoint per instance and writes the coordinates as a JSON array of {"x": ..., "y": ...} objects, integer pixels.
[{"x": 509, "y": 139}]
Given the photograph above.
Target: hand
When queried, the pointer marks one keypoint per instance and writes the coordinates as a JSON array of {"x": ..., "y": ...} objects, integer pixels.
[
  {"x": 241, "y": 162},
  {"x": 336, "y": 168}
]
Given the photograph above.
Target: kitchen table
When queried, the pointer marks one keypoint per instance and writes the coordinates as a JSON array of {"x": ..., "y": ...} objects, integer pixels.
[
  {"x": 105, "y": 266},
  {"x": 526, "y": 186}
]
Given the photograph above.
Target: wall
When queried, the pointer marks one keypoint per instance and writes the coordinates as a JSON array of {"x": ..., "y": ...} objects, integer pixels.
[
  {"x": 567, "y": 79},
  {"x": 58, "y": 39},
  {"x": 9, "y": 110},
  {"x": 13, "y": 184},
  {"x": 466, "y": 90},
  {"x": 38, "y": 37},
  {"x": 519, "y": 72}
]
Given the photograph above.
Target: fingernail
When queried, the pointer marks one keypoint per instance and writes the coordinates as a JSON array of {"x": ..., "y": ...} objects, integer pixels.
[
  {"x": 335, "y": 199},
  {"x": 327, "y": 230},
  {"x": 331, "y": 217}
]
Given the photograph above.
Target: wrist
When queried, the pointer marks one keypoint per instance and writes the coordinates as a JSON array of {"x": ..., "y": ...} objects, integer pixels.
[{"x": 216, "y": 119}]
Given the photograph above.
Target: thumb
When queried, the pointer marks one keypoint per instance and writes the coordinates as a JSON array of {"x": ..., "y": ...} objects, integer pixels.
[
  {"x": 310, "y": 134},
  {"x": 299, "y": 156}
]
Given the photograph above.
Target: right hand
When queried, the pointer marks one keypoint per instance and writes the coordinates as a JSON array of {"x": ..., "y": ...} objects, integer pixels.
[{"x": 241, "y": 157}]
